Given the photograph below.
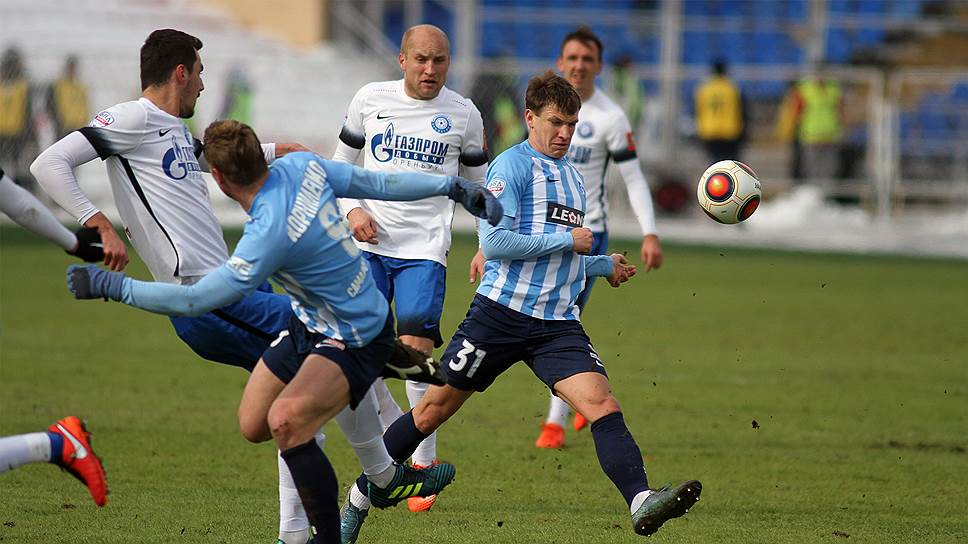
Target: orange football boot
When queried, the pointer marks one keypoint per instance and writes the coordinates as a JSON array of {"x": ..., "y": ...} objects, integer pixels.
[
  {"x": 579, "y": 422},
  {"x": 78, "y": 457},
  {"x": 422, "y": 504},
  {"x": 552, "y": 436}
]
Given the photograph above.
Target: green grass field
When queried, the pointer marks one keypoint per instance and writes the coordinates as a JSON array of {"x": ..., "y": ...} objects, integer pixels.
[{"x": 819, "y": 399}]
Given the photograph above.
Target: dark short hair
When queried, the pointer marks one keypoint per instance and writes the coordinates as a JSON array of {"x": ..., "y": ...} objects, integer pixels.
[
  {"x": 163, "y": 51},
  {"x": 234, "y": 150},
  {"x": 550, "y": 89},
  {"x": 584, "y": 35}
]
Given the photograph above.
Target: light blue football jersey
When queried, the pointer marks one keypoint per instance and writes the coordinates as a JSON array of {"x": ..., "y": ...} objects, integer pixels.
[
  {"x": 297, "y": 237},
  {"x": 544, "y": 196}
]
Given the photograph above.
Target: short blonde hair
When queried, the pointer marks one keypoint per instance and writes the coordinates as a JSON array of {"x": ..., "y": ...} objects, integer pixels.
[{"x": 234, "y": 150}]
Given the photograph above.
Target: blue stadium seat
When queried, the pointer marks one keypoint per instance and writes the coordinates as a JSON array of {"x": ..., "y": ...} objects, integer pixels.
[
  {"x": 839, "y": 7},
  {"x": 697, "y": 7},
  {"x": 495, "y": 40},
  {"x": 796, "y": 10},
  {"x": 838, "y": 46},
  {"x": 868, "y": 37},
  {"x": 872, "y": 7},
  {"x": 959, "y": 93},
  {"x": 695, "y": 47}
]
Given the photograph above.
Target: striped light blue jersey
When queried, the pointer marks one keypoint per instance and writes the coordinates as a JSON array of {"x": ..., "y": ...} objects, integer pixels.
[
  {"x": 543, "y": 196},
  {"x": 296, "y": 235}
]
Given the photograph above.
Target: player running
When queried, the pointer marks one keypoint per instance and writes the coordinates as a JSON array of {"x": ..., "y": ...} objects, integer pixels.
[
  {"x": 342, "y": 333},
  {"x": 155, "y": 167},
  {"x": 525, "y": 308},
  {"x": 414, "y": 124}
]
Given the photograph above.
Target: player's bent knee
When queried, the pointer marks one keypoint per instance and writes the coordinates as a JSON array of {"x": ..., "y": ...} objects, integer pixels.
[
  {"x": 254, "y": 428},
  {"x": 284, "y": 424}
]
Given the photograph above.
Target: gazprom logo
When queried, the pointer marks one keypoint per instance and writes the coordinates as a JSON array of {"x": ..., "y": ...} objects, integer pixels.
[
  {"x": 179, "y": 161},
  {"x": 391, "y": 146}
]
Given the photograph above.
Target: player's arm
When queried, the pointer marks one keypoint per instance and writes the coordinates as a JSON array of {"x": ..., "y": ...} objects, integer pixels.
[
  {"x": 622, "y": 149},
  {"x": 614, "y": 268},
  {"x": 256, "y": 256},
  {"x": 349, "y": 147},
  {"x": 29, "y": 213},
  {"x": 473, "y": 166},
  {"x": 54, "y": 171},
  {"x": 355, "y": 182}
]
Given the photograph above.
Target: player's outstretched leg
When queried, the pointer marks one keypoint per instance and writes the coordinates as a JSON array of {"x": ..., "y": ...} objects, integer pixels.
[
  {"x": 664, "y": 504},
  {"x": 77, "y": 456}
]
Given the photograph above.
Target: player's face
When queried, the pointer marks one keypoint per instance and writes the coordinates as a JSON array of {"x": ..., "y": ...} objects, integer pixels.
[
  {"x": 579, "y": 64},
  {"x": 192, "y": 89},
  {"x": 550, "y": 131},
  {"x": 424, "y": 65}
]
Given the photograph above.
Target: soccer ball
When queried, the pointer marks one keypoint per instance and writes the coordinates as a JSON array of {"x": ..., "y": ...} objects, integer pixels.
[{"x": 729, "y": 192}]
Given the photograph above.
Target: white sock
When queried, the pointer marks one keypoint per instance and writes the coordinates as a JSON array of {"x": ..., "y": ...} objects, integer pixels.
[
  {"x": 365, "y": 434},
  {"x": 292, "y": 515},
  {"x": 389, "y": 410},
  {"x": 295, "y": 537},
  {"x": 426, "y": 452},
  {"x": 639, "y": 499},
  {"x": 22, "y": 449},
  {"x": 358, "y": 499},
  {"x": 557, "y": 411}
]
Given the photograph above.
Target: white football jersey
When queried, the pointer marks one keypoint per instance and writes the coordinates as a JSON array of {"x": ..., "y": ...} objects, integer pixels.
[
  {"x": 157, "y": 183},
  {"x": 603, "y": 133},
  {"x": 397, "y": 133}
]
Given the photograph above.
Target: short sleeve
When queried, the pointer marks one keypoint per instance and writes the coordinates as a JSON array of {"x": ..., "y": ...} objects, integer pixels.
[
  {"x": 620, "y": 142},
  {"x": 117, "y": 130},
  {"x": 474, "y": 149},
  {"x": 505, "y": 186},
  {"x": 352, "y": 133}
]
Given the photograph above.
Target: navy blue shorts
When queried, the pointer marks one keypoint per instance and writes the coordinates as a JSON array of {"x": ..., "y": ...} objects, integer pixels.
[
  {"x": 599, "y": 247},
  {"x": 493, "y": 337},
  {"x": 237, "y": 334},
  {"x": 416, "y": 289},
  {"x": 361, "y": 366}
]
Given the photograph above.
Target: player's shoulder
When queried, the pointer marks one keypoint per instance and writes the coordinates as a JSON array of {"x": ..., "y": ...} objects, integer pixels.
[
  {"x": 514, "y": 161},
  {"x": 125, "y": 115},
  {"x": 379, "y": 89},
  {"x": 455, "y": 100},
  {"x": 606, "y": 104}
]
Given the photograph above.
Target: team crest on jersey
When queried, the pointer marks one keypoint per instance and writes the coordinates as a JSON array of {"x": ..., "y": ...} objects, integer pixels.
[
  {"x": 496, "y": 186},
  {"x": 441, "y": 123},
  {"x": 414, "y": 150},
  {"x": 102, "y": 119},
  {"x": 585, "y": 129}
]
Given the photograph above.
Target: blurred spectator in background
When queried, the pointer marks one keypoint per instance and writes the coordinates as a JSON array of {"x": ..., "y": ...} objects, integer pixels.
[
  {"x": 496, "y": 95},
  {"x": 720, "y": 115},
  {"x": 818, "y": 106},
  {"x": 237, "y": 101},
  {"x": 16, "y": 126},
  {"x": 627, "y": 90},
  {"x": 67, "y": 100},
  {"x": 787, "y": 130}
]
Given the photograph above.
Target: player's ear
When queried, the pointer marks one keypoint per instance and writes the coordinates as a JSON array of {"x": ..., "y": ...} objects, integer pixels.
[
  {"x": 560, "y": 64},
  {"x": 401, "y": 57},
  {"x": 529, "y": 118}
]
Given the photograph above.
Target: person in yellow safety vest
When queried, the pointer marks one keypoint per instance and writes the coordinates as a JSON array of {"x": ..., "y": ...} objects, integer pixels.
[
  {"x": 720, "y": 115},
  {"x": 67, "y": 101},
  {"x": 819, "y": 120},
  {"x": 16, "y": 125}
]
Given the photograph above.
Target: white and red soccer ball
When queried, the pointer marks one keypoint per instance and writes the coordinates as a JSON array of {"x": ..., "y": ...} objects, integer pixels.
[{"x": 729, "y": 192}]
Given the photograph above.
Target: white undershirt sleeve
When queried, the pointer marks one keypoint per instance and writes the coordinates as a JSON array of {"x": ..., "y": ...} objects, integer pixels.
[
  {"x": 349, "y": 155},
  {"x": 54, "y": 170},
  {"x": 640, "y": 198}
]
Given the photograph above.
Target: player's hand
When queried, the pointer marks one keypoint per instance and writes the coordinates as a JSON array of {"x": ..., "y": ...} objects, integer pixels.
[
  {"x": 89, "y": 247},
  {"x": 476, "y": 199},
  {"x": 290, "y": 147},
  {"x": 621, "y": 270},
  {"x": 476, "y": 271},
  {"x": 651, "y": 252},
  {"x": 89, "y": 281},
  {"x": 582, "y": 240},
  {"x": 362, "y": 225},
  {"x": 115, "y": 252}
]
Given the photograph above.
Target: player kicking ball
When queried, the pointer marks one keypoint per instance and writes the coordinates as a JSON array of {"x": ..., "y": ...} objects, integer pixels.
[
  {"x": 525, "y": 308},
  {"x": 341, "y": 335}
]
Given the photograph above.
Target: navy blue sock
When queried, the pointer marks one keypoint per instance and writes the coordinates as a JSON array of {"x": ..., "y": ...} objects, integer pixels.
[
  {"x": 401, "y": 439},
  {"x": 56, "y": 446},
  {"x": 619, "y": 455},
  {"x": 318, "y": 489}
]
